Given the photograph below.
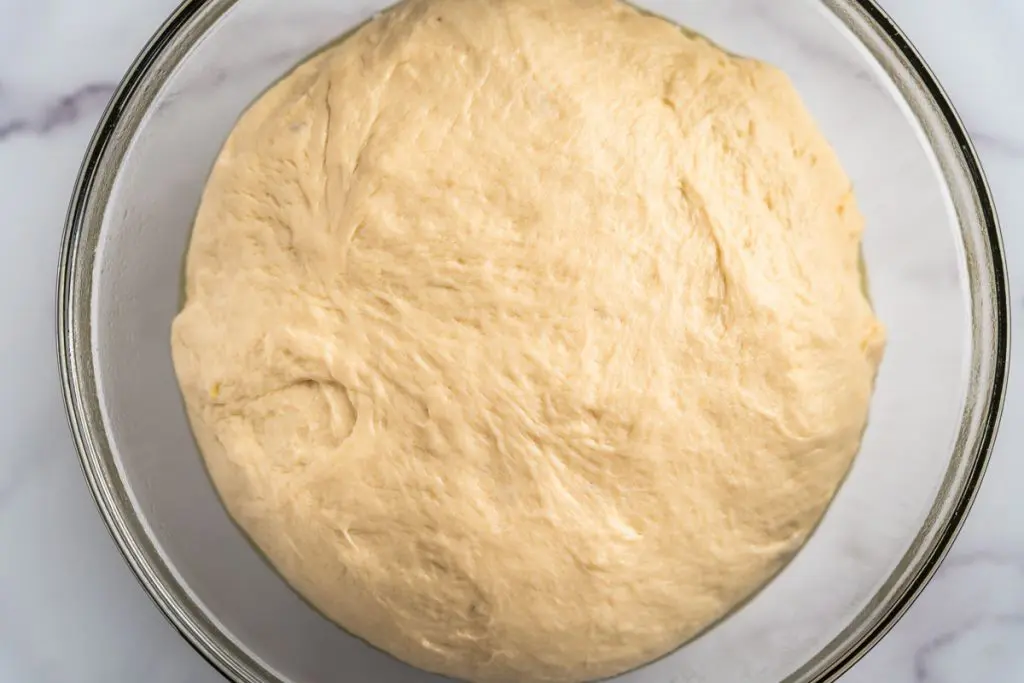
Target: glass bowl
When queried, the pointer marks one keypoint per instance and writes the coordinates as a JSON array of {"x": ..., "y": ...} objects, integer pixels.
[{"x": 932, "y": 247}]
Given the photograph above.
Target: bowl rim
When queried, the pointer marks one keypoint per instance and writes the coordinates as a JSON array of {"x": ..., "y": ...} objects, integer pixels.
[{"x": 184, "y": 613}]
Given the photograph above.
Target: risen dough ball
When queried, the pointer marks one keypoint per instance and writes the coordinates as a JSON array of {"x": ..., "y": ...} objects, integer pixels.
[{"x": 526, "y": 337}]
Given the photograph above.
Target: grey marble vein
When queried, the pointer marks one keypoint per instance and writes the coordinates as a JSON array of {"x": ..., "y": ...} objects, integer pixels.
[
  {"x": 65, "y": 110},
  {"x": 924, "y": 668},
  {"x": 999, "y": 143},
  {"x": 1008, "y": 618}
]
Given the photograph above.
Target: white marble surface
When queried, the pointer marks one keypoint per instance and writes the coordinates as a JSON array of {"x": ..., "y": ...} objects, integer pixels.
[{"x": 70, "y": 610}]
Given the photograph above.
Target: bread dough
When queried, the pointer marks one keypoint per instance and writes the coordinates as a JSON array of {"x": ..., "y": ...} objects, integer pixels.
[{"x": 526, "y": 337}]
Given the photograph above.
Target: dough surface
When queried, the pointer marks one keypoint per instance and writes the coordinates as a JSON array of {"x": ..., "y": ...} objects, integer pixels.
[{"x": 526, "y": 337}]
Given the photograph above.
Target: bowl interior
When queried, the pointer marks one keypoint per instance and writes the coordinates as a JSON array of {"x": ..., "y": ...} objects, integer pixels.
[{"x": 920, "y": 234}]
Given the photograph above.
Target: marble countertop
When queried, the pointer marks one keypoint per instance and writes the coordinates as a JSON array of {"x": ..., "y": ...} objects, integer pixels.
[{"x": 70, "y": 611}]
